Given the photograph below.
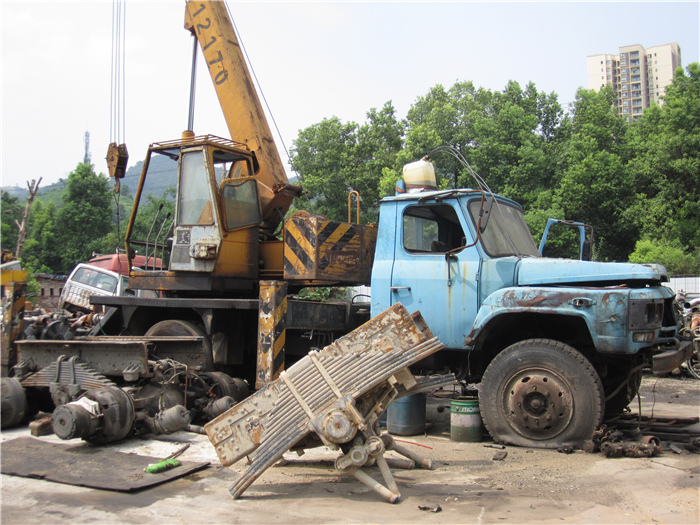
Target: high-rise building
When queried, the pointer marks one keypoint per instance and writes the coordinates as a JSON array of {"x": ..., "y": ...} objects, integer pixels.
[{"x": 638, "y": 76}]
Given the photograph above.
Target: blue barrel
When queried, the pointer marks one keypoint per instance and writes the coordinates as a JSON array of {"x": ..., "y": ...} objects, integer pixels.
[
  {"x": 465, "y": 419},
  {"x": 406, "y": 416}
]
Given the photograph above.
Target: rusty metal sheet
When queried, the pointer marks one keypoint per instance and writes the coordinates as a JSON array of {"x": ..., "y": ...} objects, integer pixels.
[
  {"x": 606, "y": 312},
  {"x": 671, "y": 359},
  {"x": 84, "y": 465},
  {"x": 272, "y": 332}
]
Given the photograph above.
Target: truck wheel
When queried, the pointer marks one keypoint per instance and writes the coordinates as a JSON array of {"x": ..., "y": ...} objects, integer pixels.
[
  {"x": 223, "y": 385},
  {"x": 178, "y": 327},
  {"x": 541, "y": 393}
]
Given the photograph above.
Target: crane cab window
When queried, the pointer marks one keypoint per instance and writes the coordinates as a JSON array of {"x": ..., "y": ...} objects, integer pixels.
[
  {"x": 229, "y": 165},
  {"x": 194, "y": 201},
  {"x": 241, "y": 206},
  {"x": 433, "y": 228}
]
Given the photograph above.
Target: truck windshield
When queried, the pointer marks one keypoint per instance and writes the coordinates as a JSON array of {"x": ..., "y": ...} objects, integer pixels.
[
  {"x": 506, "y": 233},
  {"x": 95, "y": 278}
]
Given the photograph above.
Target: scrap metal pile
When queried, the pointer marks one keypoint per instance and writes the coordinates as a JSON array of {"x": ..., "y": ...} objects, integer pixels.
[{"x": 331, "y": 397}]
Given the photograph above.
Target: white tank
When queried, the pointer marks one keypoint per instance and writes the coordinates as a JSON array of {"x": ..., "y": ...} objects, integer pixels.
[{"x": 419, "y": 176}]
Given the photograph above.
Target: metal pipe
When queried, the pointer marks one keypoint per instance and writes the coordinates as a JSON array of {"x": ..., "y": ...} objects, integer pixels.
[
  {"x": 380, "y": 489},
  {"x": 193, "y": 84}
]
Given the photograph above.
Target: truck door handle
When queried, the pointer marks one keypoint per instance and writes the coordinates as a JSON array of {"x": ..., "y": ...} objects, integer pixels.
[{"x": 397, "y": 288}]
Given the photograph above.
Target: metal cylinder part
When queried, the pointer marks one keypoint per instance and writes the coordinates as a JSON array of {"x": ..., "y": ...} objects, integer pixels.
[
  {"x": 169, "y": 421},
  {"x": 79, "y": 419},
  {"x": 14, "y": 402},
  {"x": 218, "y": 407},
  {"x": 337, "y": 427}
]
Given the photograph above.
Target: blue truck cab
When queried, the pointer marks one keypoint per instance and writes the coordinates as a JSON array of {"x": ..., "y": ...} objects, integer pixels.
[{"x": 554, "y": 344}]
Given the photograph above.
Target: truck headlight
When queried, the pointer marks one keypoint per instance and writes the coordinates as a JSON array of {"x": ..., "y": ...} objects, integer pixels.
[{"x": 643, "y": 337}]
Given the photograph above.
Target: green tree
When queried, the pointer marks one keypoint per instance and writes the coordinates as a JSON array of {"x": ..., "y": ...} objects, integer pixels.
[
  {"x": 666, "y": 166},
  {"x": 334, "y": 158},
  {"x": 323, "y": 155},
  {"x": 86, "y": 215},
  {"x": 673, "y": 257},
  {"x": 513, "y": 138},
  {"x": 379, "y": 141},
  {"x": 595, "y": 186},
  {"x": 43, "y": 250},
  {"x": 11, "y": 216}
]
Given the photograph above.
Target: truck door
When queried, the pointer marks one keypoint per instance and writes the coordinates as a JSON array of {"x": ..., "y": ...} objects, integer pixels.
[{"x": 425, "y": 277}]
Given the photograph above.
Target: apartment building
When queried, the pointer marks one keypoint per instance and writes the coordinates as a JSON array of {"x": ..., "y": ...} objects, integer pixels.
[{"x": 638, "y": 76}]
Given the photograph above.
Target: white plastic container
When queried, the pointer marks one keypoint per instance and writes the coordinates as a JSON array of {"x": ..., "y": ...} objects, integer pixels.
[{"x": 419, "y": 175}]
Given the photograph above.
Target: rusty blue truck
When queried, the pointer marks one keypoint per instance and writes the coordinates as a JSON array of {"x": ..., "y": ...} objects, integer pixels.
[{"x": 552, "y": 344}]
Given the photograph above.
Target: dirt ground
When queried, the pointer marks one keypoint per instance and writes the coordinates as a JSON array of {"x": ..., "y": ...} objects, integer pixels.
[{"x": 528, "y": 486}]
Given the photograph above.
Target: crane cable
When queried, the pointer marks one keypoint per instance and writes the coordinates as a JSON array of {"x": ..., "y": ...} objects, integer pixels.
[
  {"x": 257, "y": 82},
  {"x": 117, "y": 106},
  {"x": 117, "y": 119}
]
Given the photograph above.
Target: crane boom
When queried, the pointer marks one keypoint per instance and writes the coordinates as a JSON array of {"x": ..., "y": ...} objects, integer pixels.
[{"x": 211, "y": 25}]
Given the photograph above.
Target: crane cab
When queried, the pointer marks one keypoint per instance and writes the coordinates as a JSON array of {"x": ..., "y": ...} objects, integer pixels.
[{"x": 197, "y": 209}]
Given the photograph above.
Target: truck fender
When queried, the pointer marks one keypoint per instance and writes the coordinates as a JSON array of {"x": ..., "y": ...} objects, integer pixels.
[{"x": 604, "y": 313}]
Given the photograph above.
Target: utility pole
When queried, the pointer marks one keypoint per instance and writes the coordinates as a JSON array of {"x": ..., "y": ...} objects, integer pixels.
[
  {"x": 87, "y": 159},
  {"x": 33, "y": 188}
]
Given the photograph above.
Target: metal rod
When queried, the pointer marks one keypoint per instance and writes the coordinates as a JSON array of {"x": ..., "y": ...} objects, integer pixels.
[
  {"x": 371, "y": 483},
  {"x": 193, "y": 84}
]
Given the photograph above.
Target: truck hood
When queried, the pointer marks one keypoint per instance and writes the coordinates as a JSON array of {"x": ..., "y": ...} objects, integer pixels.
[{"x": 543, "y": 271}]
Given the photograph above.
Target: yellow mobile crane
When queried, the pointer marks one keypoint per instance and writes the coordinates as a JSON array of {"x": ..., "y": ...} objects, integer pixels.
[
  {"x": 232, "y": 195},
  {"x": 226, "y": 257}
]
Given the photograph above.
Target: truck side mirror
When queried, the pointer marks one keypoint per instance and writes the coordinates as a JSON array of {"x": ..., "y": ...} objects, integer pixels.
[{"x": 586, "y": 250}]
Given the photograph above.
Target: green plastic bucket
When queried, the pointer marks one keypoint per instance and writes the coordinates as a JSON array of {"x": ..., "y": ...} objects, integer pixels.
[{"x": 465, "y": 419}]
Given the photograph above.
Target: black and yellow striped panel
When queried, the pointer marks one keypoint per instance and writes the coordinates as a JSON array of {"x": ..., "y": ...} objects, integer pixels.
[
  {"x": 272, "y": 331},
  {"x": 317, "y": 249}
]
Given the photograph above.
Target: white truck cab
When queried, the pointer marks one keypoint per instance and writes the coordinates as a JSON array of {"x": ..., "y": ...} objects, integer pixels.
[{"x": 86, "y": 280}]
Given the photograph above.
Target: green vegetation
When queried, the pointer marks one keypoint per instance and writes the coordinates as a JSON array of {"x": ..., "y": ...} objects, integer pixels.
[{"x": 636, "y": 183}]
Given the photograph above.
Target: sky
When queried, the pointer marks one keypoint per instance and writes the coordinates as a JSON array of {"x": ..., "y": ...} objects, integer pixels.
[{"x": 313, "y": 60}]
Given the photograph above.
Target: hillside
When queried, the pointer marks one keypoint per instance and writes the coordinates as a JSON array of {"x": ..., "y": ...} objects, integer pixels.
[{"x": 162, "y": 175}]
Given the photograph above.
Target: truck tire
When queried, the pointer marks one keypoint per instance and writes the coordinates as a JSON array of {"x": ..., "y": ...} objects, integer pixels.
[
  {"x": 541, "y": 393},
  {"x": 178, "y": 327},
  {"x": 223, "y": 385}
]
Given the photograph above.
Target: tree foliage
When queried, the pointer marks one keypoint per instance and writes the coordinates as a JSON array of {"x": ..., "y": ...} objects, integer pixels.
[
  {"x": 666, "y": 167},
  {"x": 334, "y": 158},
  {"x": 9, "y": 219},
  {"x": 60, "y": 238}
]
